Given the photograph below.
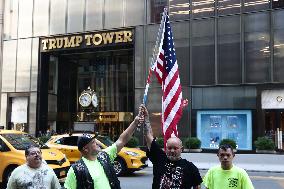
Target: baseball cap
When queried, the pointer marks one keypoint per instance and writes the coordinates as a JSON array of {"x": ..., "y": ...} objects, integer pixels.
[{"x": 84, "y": 140}]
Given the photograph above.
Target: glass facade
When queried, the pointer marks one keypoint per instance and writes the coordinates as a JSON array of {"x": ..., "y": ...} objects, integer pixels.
[{"x": 227, "y": 51}]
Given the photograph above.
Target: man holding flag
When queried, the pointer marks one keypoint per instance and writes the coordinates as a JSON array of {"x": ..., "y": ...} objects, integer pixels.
[{"x": 169, "y": 169}]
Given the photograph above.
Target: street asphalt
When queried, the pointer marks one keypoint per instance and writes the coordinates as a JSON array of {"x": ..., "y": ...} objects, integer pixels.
[{"x": 249, "y": 162}]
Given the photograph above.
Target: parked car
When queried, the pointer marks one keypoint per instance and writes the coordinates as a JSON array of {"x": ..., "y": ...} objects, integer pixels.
[
  {"x": 12, "y": 154},
  {"x": 128, "y": 159}
]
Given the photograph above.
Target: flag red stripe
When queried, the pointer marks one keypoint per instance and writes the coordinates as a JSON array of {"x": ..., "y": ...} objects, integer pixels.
[{"x": 172, "y": 103}]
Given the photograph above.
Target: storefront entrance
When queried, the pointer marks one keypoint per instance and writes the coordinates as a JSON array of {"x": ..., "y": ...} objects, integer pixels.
[
  {"x": 274, "y": 126},
  {"x": 108, "y": 73}
]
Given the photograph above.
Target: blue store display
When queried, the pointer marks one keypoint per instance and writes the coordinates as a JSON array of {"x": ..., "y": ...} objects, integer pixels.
[{"x": 213, "y": 126}]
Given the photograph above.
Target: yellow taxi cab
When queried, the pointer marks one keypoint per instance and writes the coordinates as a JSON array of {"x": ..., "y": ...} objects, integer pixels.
[
  {"x": 128, "y": 159},
  {"x": 12, "y": 154}
]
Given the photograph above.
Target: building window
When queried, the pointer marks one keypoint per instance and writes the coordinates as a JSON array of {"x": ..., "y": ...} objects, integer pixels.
[
  {"x": 257, "y": 50},
  {"x": 229, "y": 55},
  {"x": 203, "y": 52}
]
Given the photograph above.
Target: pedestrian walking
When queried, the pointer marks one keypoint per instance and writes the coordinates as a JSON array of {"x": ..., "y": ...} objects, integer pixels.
[
  {"x": 169, "y": 169},
  {"x": 94, "y": 170},
  {"x": 227, "y": 175},
  {"x": 34, "y": 174}
]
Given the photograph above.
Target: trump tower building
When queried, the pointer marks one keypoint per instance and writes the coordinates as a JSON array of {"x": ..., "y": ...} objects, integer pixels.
[{"x": 78, "y": 65}]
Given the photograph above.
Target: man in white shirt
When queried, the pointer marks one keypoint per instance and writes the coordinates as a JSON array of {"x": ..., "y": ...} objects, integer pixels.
[{"x": 35, "y": 174}]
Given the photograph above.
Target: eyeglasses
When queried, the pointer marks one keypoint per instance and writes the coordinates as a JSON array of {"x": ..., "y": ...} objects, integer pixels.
[{"x": 34, "y": 153}]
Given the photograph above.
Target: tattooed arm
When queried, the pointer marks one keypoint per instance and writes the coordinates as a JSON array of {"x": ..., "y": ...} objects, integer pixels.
[{"x": 147, "y": 126}]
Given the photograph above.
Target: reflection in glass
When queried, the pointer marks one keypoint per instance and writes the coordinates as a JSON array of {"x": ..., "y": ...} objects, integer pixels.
[
  {"x": 220, "y": 97},
  {"x": 11, "y": 19},
  {"x": 228, "y": 7},
  {"x": 278, "y": 46},
  {"x": 203, "y": 67},
  {"x": 94, "y": 14},
  {"x": 277, "y": 4},
  {"x": 254, "y": 5},
  {"x": 108, "y": 73},
  {"x": 156, "y": 10},
  {"x": 41, "y": 15},
  {"x": 9, "y": 66},
  {"x": 75, "y": 16},
  {"x": 229, "y": 58},
  {"x": 57, "y": 16},
  {"x": 203, "y": 8},
  {"x": 181, "y": 42},
  {"x": 23, "y": 65},
  {"x": 25, "y": 18},
  {"x": 257, "y": 51},
  {"x": 179, "y": 9}
]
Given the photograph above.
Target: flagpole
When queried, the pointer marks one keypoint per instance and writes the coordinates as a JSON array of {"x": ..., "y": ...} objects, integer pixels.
[
  {"x": 154, "y": 56},
  {"x": 153, "y": 60}
]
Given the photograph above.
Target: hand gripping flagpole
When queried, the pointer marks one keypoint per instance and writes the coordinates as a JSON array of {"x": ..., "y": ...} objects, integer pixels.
[{"x": 153, "y": 60}]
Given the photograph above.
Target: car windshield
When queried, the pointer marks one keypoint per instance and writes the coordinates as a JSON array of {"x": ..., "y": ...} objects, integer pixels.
[
  {"x": 22, "y": 141},
  {"x": 105, "y": 140}
]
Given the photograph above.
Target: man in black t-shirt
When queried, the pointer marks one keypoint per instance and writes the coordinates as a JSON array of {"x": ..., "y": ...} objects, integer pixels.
[{"x": 169, "y": 169}]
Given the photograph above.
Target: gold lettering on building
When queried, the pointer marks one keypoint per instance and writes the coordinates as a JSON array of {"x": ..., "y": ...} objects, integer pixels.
[
  {"x": 108, "y": 37},
  {"x": 97, "y": 39},
  {"x": 88, "y": 39},
  {"x": 52, "y": 44},
  {"x": 69, "y": 42},
  {"x": 59, "y": 42},
  {"x": 93, "y": 39},
  {"x": 118, "y": 37},
  {"x": 44, "y": 42},
  {"x": 79, "y": 40},
  {"x": 127, "y": 36}
]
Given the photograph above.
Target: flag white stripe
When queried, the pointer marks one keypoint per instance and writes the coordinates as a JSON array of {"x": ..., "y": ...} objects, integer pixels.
[
  {"x": 172, "y": 92},
  {"x": 171, "y": 74},
  {"x": 174, "y": 110}
]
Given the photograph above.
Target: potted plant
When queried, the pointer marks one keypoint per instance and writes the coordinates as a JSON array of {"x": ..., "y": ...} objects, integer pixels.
[
  {"x": 193, "y": 144},
  {"x": 231, "y": 142},
  {"x": 160, "y": 142},
  {"x": 264, "y": 145},
  {"x": 132, "y": 143}
]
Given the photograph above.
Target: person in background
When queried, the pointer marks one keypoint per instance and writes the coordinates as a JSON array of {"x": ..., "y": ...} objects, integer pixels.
[
  {"x": 169, "y": 169},
  {"x": 34, "y": 174},
  {"x": 227, "y": 175}
]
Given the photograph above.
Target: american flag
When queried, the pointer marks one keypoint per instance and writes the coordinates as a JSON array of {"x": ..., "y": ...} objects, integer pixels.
[{"x": 166, "y": 70}]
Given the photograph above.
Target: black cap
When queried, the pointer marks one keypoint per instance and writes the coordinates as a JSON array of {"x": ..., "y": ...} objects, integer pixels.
[{"x": 84, "y": 140}]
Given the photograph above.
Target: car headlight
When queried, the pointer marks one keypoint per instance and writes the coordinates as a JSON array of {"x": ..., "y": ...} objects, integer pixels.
[{"x": 131, "y": 153}]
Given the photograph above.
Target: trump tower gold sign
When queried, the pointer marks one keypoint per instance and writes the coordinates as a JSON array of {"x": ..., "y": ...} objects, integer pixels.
[{"x": 87, "y": 40}]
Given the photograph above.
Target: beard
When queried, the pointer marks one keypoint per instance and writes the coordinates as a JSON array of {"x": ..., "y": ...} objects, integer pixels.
[{"x": 173, "y": 157}]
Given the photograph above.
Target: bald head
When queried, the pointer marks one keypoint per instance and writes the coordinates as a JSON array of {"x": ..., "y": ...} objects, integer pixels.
[
  {"x": 174, "y": 140},
  {"x": 174, "y": 148}
]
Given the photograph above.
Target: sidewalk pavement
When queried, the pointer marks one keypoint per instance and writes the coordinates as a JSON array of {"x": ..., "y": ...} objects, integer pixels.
[{"x": 249, "y": 162}]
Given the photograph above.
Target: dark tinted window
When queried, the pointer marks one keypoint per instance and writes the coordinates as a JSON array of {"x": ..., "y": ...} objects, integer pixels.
[
  {"x": 22, "y": 141},
  {"x": 203, "y": 52},
  {"x": 70, "y": 141},
  {"x": 4, "y": 147},
  {"x": 257, "y": 48},
  {"x": 278, "y": 46},
  {"x": 229, "y": 59},
  {"x": 105, "y": 140}
]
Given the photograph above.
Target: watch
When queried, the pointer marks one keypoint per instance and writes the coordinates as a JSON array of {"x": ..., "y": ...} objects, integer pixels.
[
  {"x": 85, "y": 99},
  {"x": 95, "y": 100}
]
